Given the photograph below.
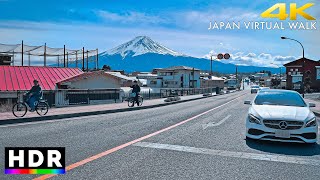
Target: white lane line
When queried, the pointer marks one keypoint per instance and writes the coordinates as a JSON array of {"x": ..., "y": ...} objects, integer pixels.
[
  {"x": 216, "y": 124},
  {"x": 243, "y": 155}
]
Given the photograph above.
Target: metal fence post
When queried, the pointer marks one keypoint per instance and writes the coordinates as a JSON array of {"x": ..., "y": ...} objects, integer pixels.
[
  {"x": 149, "y": 94},
  {"x": 115, "y": 96},
  {"x": 88, "y": 96}
]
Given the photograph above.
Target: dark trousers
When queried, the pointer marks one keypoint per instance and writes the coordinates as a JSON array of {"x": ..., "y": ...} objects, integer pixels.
[{"x": 136, "y": 98}]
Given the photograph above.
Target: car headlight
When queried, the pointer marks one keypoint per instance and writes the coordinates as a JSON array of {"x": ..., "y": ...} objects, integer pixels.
[
  {"x": 254, "y": 119},
  {"x": 312, "y": 122}
]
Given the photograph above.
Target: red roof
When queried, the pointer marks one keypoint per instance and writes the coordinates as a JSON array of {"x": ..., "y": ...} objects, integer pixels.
[{"x": 13, "y": 78}]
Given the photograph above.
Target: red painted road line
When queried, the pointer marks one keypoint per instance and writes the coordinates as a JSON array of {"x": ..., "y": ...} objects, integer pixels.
[{"x": 100, "y": 155}]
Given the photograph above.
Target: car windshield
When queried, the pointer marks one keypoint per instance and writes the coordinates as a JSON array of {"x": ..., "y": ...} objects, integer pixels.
[
  {"x": 254, "y": 86},
  {"x": 280, "y": 99}
]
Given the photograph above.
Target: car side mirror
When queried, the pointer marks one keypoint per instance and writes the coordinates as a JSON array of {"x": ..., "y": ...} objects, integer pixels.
[
  {"x": 247, "y": 102},
  {"x": 312, "y": 105}
]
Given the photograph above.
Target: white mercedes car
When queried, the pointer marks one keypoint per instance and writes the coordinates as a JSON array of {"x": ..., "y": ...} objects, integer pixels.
[{"x": 281, "y": 115}]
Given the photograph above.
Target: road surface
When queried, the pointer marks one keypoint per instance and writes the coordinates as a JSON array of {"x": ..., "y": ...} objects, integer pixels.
[{"x": 202, "y": 139}]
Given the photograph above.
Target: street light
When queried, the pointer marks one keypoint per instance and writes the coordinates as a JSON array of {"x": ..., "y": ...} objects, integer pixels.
[
  {"x": 303, "y": 62},
  {"x": 297, "y": 42}
]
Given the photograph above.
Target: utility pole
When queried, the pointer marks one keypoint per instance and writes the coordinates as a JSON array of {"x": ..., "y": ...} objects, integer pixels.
[
  {"x": 67, "y": 59},
  {"x": 64, "y": 55},
  {"x": 211, "y": 66},
  {"x": 193, "y": 78},
  {"x": 22, "y": 53},
  {"x": 76, "y": 59},
  {"x": 87, "y": 61},
  {"x": 97, "y": 59},
  {"x": 82, "y": 58},
  {"x": 44, "y": 55}
]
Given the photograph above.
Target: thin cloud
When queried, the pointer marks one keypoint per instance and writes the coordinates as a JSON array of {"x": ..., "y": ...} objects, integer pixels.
[
  {"x": 129, "y": 17},
  {"x": 263, "y": 59}
]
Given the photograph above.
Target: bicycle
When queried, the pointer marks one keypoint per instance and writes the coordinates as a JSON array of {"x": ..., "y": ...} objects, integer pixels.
[
  {"x": 131, "y": 100},
  {"x": 20, "y": 109}
]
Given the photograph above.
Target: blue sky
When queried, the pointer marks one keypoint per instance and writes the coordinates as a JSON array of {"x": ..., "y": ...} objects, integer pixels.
[{"x": 178, "y": 24}]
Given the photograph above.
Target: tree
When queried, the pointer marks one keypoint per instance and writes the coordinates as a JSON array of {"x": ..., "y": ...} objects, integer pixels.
[
  {"x": 106, "y": 68},
  {"x": 275, "y": 82}
]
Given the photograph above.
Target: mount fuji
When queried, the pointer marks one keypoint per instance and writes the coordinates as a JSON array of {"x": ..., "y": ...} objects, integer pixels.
[
  {"x": 139, "y": 46},
  {"x": 144, "y": 54}
]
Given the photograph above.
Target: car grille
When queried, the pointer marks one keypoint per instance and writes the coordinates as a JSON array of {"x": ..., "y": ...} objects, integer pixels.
[{"x": 275, "y": 124}]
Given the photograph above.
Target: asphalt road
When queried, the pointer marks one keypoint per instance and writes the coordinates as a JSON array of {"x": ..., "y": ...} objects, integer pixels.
[{"x": 208, "y": 143}]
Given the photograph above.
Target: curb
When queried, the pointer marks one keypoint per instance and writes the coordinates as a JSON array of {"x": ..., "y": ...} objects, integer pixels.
[{"x": 63, "y": 116}]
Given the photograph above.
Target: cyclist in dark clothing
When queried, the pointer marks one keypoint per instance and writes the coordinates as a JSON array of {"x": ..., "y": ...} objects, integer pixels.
[
  {"x": 34, "y": 94},
  {"x": 136, "y": 89}
]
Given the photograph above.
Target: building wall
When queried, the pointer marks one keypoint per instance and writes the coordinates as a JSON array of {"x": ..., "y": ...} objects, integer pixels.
[
  {"x": 212, "y": 83},
  {"x": 296, "y": 68},
  {"x": 154, "y": 83},
  {"x": 179, "y": 79},
  {"x": 95, "y": 82}
]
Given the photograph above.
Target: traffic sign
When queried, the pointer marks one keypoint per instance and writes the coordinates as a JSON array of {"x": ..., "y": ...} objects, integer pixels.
[
  {"x": 226, "y": 56},
  {"x": 220, "y": 56}
]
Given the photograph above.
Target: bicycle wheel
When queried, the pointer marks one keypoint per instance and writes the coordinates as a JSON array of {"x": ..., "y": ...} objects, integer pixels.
[
  {"x": 140, "y": 101},
  {"x": 42, "y": 108},
  {"x": 19, "y": 109},
  {"x": 131, "y": 102}
]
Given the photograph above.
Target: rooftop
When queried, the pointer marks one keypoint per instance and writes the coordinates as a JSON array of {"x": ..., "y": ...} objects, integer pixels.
[{"x": 15, "y": 78}]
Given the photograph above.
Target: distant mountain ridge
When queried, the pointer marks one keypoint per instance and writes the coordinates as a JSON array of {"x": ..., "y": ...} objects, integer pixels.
[
  {"x": 139, "y": 46},
  {"x": 144, "y": 54}
]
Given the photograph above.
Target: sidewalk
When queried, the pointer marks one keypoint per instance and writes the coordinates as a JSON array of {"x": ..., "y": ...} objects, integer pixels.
[
  {"x": 316, "y": 109},
  {"x": 77, "y": 111}
]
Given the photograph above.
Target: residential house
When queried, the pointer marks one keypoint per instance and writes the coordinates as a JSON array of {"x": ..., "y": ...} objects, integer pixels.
[
  {"x": 294, "y": 72},
  {"x": 211, "y": 81},
  {"x": 14, "y": 79},
  {"x": 179, "y": 77}
]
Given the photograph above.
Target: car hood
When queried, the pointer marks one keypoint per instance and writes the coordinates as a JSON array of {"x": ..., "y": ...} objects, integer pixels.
[{"x": 281, "y": 112}]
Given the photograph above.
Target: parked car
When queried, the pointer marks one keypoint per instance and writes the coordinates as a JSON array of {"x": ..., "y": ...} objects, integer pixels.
[
  {"x": 254, "y": 89},
  {"x": 281, "y": 115},
  {"x": 263, "y": 88}
]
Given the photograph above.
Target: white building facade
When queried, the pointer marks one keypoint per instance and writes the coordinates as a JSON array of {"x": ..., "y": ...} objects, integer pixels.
[{"x": 177, "y": 77}]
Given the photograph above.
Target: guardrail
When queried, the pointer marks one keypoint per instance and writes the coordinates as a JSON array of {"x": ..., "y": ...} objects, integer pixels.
[
  {"x": 187, "y": 91},
  {"x": 67, "y": 97}
]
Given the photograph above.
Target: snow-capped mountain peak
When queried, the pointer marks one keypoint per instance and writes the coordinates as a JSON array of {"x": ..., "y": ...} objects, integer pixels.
[{"x": 140, "y": 45}]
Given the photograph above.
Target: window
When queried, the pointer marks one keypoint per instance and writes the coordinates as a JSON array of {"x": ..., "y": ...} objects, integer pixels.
[{"x": 279, "y": 99}]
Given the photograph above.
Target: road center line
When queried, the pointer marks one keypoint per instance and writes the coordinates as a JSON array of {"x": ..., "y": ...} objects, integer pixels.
[
  {"x": 243, "y": 155},
  {"x": 105, "y": 153}
]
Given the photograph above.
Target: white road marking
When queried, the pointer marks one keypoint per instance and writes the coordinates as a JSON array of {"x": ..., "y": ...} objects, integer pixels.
[
  {"x": 243, "y": 155},
  {"x": 205, "y": 126}
]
